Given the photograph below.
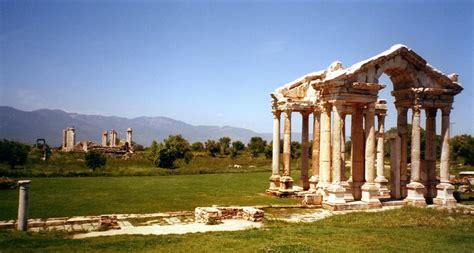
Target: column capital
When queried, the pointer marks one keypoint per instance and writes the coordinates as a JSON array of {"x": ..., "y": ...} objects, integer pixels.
[
  {"x": 416, "y": 107},
  {"x": 305, "y": 113},
  {"x": 276, "y": 114},
  {"x": 431, "y": 112},
  {"x": 446, "y": 110},
  {"x": 370, "y": 107}
]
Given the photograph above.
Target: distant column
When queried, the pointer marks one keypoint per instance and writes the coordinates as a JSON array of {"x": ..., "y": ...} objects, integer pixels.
[
  {"x": 415, "y": 188},
  {"x": 104, "y": 138},
  {"x": 313, "y": 181},
  {"x": 444, "y": 195},
  {"x": 286, "y": 182},
  {"x": 113, "y": 138},
  {"x": 129, "y": 137},
  {"x": 304, "y": 151},
  {"x": 275, "y": 177},
  {"x": 23, "y": 205}
]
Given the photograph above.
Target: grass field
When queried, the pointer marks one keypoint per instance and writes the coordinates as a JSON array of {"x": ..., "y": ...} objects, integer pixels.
[
  {"x": 67, "y": 196},
  {"x": 402, "y": 230}
]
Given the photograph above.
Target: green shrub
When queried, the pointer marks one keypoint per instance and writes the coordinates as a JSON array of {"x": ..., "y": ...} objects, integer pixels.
[
  {"x": 95, "y": 160},
  {"x": 13, "y": 153}
]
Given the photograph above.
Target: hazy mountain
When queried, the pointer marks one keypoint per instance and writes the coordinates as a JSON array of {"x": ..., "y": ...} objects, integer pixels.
[{"x": 48, "y": 124}]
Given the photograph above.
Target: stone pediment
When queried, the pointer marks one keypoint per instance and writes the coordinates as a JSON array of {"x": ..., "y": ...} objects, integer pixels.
[{"x": 407, "y": 70}]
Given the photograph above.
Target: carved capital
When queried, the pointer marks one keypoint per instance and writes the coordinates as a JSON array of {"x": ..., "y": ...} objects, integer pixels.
[
  {"x": 305, "y": 113},
  {"x": 431, "y": 112},
  {"x": 287, "y": 113}
]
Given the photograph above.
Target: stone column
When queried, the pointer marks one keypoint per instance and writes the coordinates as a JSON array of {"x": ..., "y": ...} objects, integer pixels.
[
  {"x": 415, "y": 188},
  {"x": 395, "y": 166},
  {"x": 335, "y": 190},
  {"x": 357, "y": 152},
  {"x": 129, "y": 137},
  {"x": 104, "y": 138},
  {"x": 286, "y": 182},
  {"x": 64, "y": 139},
  {"x": 402, "y": 129},
  {"x": 381, "y": 181},
  {"x": 369, "y": 189},
  {"x": 430, "y": 153},
  {"x": 275, "y": 177},
  {"x": 444, "y": 195},
  {"x": 325, "y": 151},
  {"x": 304, "y": 151},
  {"x": 313, "y": 181},
  {"x": 113, "y": 138},
  {"x": 344, "y": 180},
  {"x": 23, "y": 205}
]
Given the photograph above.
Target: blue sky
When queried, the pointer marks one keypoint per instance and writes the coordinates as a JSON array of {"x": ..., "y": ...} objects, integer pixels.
[{"x": 213, "y": 62}]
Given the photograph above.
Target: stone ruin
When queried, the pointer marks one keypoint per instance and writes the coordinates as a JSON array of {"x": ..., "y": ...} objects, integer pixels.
[
  {"x": 332, "y": 94},
  {"x": 109, "y": 143}
]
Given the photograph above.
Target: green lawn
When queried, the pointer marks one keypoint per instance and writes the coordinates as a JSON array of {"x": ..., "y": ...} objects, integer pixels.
[
  {"x": 68, "y": 196},
  {"x": 402, "y": 230}
]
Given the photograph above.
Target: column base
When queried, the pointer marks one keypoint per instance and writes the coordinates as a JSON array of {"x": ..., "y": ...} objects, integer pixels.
[
  {"x": 274, "y": 183},
  {"x": 357, "y": 190},
  {"x": 322, "y": 190},
  {"x": 370, "y": 193},
  {"x": 415, "y": 195},
  {"x": 381, "y": 183},
  {"x": 313, "y": 184},
  {"x": 444, "y": 196},
  {"x": 304, "y": 183},
  {"x": 286, "y": 185},
  {"x": 336, "y": 195},
  {"x": 348, "y": 197}
]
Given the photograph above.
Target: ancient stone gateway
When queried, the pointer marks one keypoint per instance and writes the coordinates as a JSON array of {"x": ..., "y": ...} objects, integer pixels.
[{"x": 331, "y": 94}]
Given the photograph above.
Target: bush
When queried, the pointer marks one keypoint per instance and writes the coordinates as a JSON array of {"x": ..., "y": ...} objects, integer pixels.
[
  {"x": 256, "y": 146},
  {"x": 173, "y": 148},
  {"x": 463, "y": 149},
  {"x": 212, "y": 148},
  {"x": 95, "y": 160},
  {"x": 224, "y": 145},
  {"x": 197, "y": 146},
  {"x": 13, "y": 153},
  {"x": 7, "y": 183},
  {"x": 238, "y": 145}
]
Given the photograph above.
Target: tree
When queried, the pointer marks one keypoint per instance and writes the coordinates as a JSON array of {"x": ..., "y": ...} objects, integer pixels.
[
  {"x": 197, "y": 146},
  {"x": 188, "y": 156},
  {"x": 153, "y": 151},
  {"x": 95, "y": 159},
  {"x": 463, "y": 149},
  {"x": 13, "y": 153},
  {"x": 295, "y": 150},
  {"x": 224, "y": 145},
  {"x": 173, "y": 148},
  {"x": 212, "y": 148},
  {"x": 269, "y": 150},
  {"x": 238, "y": 145},
  {"x": 256, "y": 146}
]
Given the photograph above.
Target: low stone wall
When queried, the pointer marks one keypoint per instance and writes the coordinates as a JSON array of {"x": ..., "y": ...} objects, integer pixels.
[{"x": 215, "y": 214}]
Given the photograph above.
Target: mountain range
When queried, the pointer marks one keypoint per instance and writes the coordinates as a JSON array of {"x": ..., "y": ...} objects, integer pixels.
[{"x": 27, "y": 126}]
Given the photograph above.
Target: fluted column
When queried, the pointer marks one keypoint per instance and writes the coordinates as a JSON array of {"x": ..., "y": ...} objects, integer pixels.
[
  {"x": 415, "y": 188},
  {"x": 344, "y": 180},
  {"x": 380, "y": 180},
  {"x": 430, "y": 152},
  {"x": 313, "y": 181},
  {"x": 286, "y": 182},
  {"x": 336, "y": 191},
  {"x": 369, "y": 189},
  {"x": 275, "y": 177},
  {"x": 402, "y": 129},
  {"x": 444, "y": 195},
  {"x": 325, "y": 150},
  {"x": 304, "y": 151}
]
